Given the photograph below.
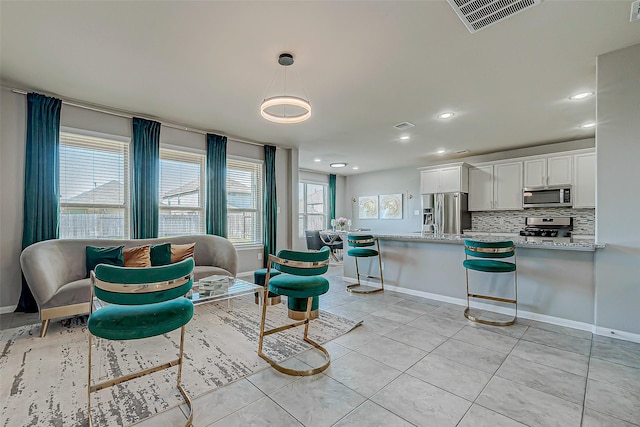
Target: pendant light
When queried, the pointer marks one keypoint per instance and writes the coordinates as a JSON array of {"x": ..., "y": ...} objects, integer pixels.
[{"x": 274, "y": 102}]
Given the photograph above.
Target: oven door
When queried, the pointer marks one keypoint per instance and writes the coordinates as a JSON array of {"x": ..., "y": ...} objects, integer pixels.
[{"x": 546, "y": 197}]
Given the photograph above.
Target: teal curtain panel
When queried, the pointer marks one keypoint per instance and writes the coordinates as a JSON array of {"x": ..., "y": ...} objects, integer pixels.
[
  {"x": 41, "y": 179},
  {"x": 145, "y": 152},
  {"x": 332, "y": 196},
  {"x": 216, "y": 208},
  {"x": 270, "y": 203}
]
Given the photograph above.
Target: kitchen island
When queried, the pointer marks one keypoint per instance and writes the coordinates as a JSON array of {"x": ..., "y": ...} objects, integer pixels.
[{"x": 555, "y": 279}]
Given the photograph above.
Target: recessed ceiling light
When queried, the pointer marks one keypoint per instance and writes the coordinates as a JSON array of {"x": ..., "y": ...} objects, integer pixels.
[
  {"x": 355, "y": 168},
  {"x": 405, "y": 137},
  {"x": 446, "y": 115},
  {"x": 581, "y": 95},
  {"x": 441, "y": 151},
  {"x": 317, "y": 160},
  {"x": 338, "y": 165},
  {"x": 587, "y": 125}
]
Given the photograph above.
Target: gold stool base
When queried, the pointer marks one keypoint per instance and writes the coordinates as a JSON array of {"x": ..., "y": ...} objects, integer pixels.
[
  {"x": 351, "y": 288},
  {"x": 299, "y": 315},
  {"x": 270, "y": 301},
  {"x": 469, "y": 316},
  {"x": 302, "y": 373}
]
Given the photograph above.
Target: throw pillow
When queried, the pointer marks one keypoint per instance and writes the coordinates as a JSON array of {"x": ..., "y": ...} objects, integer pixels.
[
  {"x": 139, "y": 256},
  {"x": 110, "y": 255},
  {"x": 182, "y": 252},
  {"x": 161, "y": 254}
]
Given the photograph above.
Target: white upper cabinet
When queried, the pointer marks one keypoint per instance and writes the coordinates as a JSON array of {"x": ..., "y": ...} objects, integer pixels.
[
  {"x": 549, "y": 170},
  {"x": 584, "y": 180},
  {"x": 507, "y": 186},
  {"x": 445, "y": 179},
  {"x": 481, "y": 188},
  {"x": 495, "y": 187}
]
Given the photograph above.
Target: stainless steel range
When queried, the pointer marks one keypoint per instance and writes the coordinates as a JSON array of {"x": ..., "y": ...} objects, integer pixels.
[{"x": 548, "y": 228}]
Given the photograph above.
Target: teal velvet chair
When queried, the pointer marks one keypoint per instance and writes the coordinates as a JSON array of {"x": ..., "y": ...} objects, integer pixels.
[
  {"x": 489, "y": 257},
  {"x": 301, "y": 281},
  {"x": 141, "y": 303},
  {"x": 362, "y": 246}
]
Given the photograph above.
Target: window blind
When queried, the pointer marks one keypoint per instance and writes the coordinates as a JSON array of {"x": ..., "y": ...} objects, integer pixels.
[
  {"x": 181, "y": 193},
  {"x": 94, "y": 187},
  {"x": 244, "y": 201}
]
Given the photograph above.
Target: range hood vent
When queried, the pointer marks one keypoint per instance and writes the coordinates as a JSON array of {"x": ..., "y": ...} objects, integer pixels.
[{"x": 479, "y": 14}]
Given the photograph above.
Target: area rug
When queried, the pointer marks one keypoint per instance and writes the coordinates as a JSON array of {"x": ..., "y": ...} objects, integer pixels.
[{"x": 44, "y": 380}]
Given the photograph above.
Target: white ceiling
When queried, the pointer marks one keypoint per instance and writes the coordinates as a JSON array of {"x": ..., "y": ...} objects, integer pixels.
[{"x": 365, "y": 66}]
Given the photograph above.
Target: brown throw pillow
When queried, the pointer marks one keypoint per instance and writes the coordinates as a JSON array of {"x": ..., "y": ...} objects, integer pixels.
[
  {"x": 182, "y": 252},
  {"x": 139, "y": 256}
]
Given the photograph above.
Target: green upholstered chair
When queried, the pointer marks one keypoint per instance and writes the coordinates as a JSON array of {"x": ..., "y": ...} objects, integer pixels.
[
  {"x": 141, "y": 303},
  {"x": 362, "y": 246},
  {"x": 300, "y": 281},
  {"x": 259, "y": 278},
  {"x": 489, "y": 257}
]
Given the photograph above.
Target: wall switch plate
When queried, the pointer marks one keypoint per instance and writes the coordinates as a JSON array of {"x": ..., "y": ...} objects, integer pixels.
[
  {"x": 278, "y": 210},
  {"x": 417, "y": 212},
  {"x": 635, "y": 11},
  {"x": 259, "y": 255}
]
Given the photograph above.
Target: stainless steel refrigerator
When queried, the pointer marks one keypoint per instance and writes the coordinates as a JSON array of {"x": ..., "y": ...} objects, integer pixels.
[{"x": 445, "y": 213}]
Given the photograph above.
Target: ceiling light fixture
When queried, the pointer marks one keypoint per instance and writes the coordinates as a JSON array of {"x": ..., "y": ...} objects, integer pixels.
[
  {"x": 441, "y": 151},
  {"x": 338, "y": 165},
  {"x": 317, "y": 160},
  {"x": 446, "y": 115},
  {"x": 355, "y": 168},
  {"x": 405, "y": 137},
  {"x": 581, "y": 95},
  {"x": 587, "y": 125},
  {"x": 302, "y": 110}
]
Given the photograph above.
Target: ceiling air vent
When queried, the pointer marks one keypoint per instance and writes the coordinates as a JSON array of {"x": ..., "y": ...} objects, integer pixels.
[
  {"x": 404, "y": 125},
  {"x": 479, "y": 14}
]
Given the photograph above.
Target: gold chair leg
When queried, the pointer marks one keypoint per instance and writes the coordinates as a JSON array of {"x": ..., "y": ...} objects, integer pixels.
[
  {"x": 139, "y": 374},
  {"x": 467, "y": 311},
  {"x": 276, "y": 365},
  {"x": 353, "y": 287},
  {"x": 44, "y": 327}
]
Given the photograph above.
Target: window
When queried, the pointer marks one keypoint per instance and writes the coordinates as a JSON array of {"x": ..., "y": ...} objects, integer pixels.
[
  {"x": 94, "y": 187},
  {"x": 181, "y": 196},
  {"x": 244, "y": 202},
  {"x": 312, "y": 207}
]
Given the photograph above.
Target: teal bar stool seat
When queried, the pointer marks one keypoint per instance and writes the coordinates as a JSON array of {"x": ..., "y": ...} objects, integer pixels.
[
  {"x": 301, "y": 280},
  {"x": 489, "y": 257},
  {"x": 259, "y": 278},
  {"x": 364, "y": 246},
  {"x": 141, "y": 303}
]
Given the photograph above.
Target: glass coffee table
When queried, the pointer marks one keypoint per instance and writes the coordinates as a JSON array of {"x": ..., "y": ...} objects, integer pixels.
[{"x": 219, "y": 288}]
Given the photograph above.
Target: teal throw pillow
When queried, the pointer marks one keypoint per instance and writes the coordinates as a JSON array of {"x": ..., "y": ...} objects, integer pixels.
[
  {"x": 111, "y": 255},
  {"x": 161, "y": 254}
]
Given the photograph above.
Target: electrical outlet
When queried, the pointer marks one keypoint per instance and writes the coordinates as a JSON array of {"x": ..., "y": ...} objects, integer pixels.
[
  {"x": 635, "y": 11},
  {"x": 278, "y": 209},
  {"x": 259, "y": 255},
  {"x": 416, "y": 212}
]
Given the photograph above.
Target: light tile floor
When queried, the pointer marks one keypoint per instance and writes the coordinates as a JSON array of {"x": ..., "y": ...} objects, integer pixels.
[{"x": 419, "y": 362}]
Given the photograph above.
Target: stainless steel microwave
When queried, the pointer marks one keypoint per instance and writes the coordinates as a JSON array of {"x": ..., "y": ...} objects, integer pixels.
[{"x": 539, "y": 197}]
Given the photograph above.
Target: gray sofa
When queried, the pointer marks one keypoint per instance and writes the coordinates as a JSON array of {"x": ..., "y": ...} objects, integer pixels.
[{"x": 56, "y": 273}]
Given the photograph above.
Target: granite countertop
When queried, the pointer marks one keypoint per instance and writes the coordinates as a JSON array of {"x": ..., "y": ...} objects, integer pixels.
[{"x": 574, "y": 244}]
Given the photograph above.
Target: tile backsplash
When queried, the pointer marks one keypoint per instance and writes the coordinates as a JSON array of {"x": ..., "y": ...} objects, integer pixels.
[{"x": 513, "y": 221}]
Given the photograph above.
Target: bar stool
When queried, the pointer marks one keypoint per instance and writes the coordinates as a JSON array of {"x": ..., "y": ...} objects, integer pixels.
[
  {"x": 361, "y": 245},
  {"x": 485, "y": 259}
]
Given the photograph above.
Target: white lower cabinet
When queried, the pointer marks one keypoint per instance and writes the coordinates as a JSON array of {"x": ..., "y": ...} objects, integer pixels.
[{"x": 495, "y": 187}]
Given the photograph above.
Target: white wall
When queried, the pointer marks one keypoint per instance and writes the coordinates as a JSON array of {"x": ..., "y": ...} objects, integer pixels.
[
  {"x": 618, "y": 203},
  {"x": 13, "y": 119},
  {"x": 12, "y": 152}
]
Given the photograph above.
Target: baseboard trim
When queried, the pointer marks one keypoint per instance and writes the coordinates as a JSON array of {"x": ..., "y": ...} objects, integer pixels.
[
  {"x": 612, "y": 333},
  {"x": 615, "y": 333},
  {"x": 245, "y": 274},
  {"x": 7, "y": 309}
]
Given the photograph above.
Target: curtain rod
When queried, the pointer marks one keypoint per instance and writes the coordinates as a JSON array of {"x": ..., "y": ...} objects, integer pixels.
[{"x": 130, "y": 115}]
